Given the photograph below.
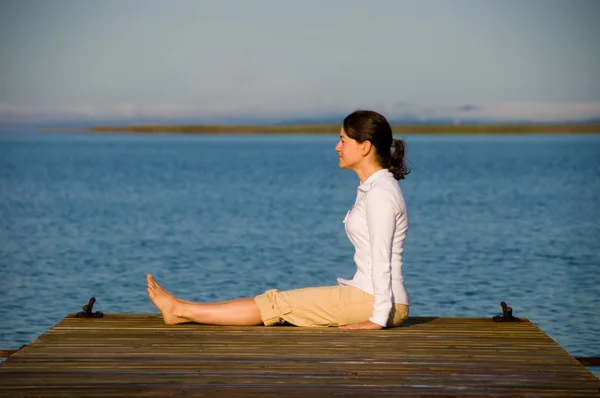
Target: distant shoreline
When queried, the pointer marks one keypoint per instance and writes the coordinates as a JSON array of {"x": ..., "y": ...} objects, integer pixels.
[{"x": 398, "y": 129}]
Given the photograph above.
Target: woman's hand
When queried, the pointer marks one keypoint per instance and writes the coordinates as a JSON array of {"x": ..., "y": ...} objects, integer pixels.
[{"x": 366, "y": 325}]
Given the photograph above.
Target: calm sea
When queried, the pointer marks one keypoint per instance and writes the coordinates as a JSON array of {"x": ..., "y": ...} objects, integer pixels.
[{"x": 492, "y": 218}]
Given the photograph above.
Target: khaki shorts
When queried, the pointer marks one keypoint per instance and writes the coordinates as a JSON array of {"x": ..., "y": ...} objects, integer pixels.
[{"x": 322, "y": 306}]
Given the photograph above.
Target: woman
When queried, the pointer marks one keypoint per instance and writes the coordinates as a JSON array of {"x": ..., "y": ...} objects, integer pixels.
[{"x": 376, "y": 225}]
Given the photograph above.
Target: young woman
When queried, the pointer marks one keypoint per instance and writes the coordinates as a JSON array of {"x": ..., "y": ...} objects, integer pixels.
[{"x": 376, "y": 225}]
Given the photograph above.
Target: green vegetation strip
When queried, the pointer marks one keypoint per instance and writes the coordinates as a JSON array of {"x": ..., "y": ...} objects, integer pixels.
[{"x": 335, "y": 128}]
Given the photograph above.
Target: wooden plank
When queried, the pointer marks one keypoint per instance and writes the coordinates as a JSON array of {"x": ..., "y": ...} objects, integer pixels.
[
  {"x": 137, "y": 354},
  {"x": 6, "y": 353}
]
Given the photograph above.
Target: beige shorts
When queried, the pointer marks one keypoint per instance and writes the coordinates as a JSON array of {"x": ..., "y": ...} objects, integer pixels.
[{"x": 322, "y": 306}]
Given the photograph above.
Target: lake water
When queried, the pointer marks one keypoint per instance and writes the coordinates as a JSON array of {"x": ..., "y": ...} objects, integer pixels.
[{"x": 492, "y": 218}]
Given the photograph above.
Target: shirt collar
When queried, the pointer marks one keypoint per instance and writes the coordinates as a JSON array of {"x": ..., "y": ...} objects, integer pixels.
[{"x": 378, "y": 175}]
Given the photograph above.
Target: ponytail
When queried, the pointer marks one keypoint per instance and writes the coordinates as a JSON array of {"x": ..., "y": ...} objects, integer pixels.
[{"x": 397, "y": 165}]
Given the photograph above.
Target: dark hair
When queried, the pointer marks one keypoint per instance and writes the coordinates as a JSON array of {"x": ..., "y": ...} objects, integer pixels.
[{"x": 363, "y": 125}]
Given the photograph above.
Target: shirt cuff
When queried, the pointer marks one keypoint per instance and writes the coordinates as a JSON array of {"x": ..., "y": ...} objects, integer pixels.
[{"x": 381, "y": 320}]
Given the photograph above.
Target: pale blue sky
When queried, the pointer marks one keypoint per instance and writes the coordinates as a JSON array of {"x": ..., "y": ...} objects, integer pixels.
[{"x": 103, "y": 58}]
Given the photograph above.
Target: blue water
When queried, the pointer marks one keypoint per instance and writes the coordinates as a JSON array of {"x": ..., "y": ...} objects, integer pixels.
[{"x": 492, "y": 218}]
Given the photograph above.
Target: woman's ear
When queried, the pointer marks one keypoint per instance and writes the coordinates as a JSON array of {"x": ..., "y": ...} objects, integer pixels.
[{"x": 366, "y": 148}]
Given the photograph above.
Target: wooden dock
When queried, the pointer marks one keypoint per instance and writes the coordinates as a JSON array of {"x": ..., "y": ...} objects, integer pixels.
[{"x": 137, "y": 355}]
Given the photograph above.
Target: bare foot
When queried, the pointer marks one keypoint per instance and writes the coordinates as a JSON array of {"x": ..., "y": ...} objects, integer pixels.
[
  {"x": 169, "y": 293},
  {"x": 164, "y": 301}
]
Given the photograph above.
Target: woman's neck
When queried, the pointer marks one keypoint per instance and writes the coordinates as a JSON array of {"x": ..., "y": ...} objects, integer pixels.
[{"x": 367, "y": 171}]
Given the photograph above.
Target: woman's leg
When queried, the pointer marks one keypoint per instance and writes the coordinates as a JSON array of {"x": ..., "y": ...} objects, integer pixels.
[{"x": 239, "y": 312}]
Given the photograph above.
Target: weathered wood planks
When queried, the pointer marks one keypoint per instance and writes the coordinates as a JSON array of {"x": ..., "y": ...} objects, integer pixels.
[{"x": 127, "y": 355}]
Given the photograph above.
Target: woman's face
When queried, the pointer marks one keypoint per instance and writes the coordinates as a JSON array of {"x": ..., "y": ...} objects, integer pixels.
[{"x": 348, "y": 151}]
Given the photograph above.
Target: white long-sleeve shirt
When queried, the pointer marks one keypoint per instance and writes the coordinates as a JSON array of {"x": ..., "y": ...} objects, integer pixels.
[{"x": 376, "y": 225}]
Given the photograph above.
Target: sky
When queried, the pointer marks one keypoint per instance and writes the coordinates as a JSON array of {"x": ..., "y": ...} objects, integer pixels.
[{"x": 526, "y": 60}]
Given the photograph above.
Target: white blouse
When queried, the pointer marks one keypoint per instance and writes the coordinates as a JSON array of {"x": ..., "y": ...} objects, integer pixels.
[{"x": 376, "y": 225}]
